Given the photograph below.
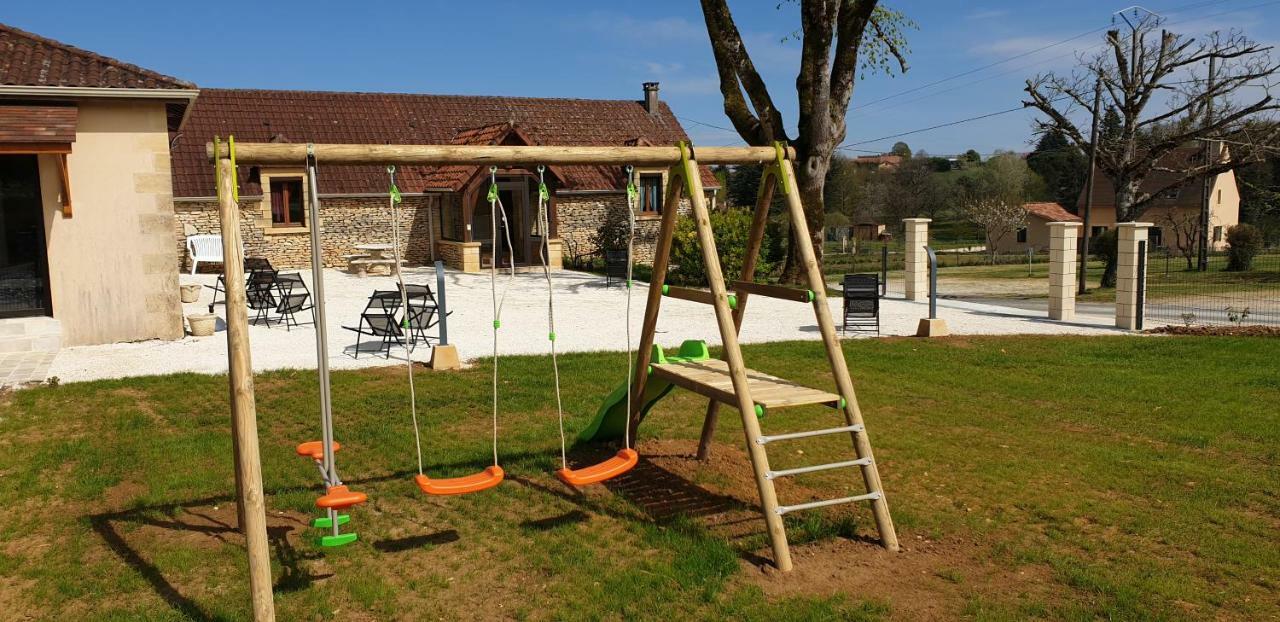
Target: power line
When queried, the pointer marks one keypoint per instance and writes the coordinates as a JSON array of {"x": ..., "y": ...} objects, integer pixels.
[{"x": 932, "y": 127}]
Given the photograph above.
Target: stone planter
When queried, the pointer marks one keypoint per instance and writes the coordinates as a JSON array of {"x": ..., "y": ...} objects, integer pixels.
[
  {"x": 190, "y": 293},
  {"x": 202, "y": 324}
]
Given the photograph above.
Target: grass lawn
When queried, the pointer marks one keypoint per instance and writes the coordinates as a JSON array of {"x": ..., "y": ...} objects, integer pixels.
[{"x": 1030, "y": 478}]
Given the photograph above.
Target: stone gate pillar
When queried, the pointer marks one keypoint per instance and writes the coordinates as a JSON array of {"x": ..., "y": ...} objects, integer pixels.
[
  {"x": 916, "y": 269},
  {"x": 1127, "y": 276},
  {"x": 1062, "y": 270}
]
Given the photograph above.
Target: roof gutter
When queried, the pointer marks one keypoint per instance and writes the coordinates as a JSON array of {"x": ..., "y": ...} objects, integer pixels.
[{"x": 187, "y": 95}]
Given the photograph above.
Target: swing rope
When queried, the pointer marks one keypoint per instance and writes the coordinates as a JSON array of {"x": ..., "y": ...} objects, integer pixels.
[
  {"x": 393, "y": 202},
  {"x": 494, "y": 202},
  {"x": 632, "y": 195}
]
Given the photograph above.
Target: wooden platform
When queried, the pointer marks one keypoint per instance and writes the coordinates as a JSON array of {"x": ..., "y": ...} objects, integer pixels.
[{"x": 711, "y": 378}]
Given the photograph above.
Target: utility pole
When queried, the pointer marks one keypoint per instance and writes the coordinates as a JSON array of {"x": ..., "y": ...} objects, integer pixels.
[
  {"x": 1083, "y": 287},
  {"x": 1207, "y": 192}
]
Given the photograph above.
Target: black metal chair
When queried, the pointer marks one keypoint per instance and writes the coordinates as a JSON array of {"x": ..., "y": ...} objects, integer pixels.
[
  {"x": 380, "y": 325},
  {"x": 861, "y": 303},
  {"x": 294, "y": 298},
  {"x": 261, "y": 295},
  {"x": 420, "y": 318},
  {"x": 251, "y": 265},
  {"x": 615, "y": 267}
]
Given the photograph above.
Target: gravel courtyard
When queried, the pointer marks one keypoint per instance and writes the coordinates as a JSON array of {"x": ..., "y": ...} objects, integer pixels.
[{"x": 589, "y": 317}]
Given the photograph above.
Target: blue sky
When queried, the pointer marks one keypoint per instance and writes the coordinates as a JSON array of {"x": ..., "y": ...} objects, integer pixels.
[{"x": 605, "y": 50}]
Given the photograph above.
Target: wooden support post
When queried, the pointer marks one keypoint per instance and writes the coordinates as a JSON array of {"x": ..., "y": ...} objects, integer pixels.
[
  {"x": 754, "y": 240},
  {"x": 839, "y": 368},
  {"x": 244, "y": 419},
  {"x": 661, "y": 258},
  {"x": 737, "y": 369}
]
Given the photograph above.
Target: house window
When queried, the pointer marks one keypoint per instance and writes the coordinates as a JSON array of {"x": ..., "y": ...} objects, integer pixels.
[
  {"x": 1157, "y": 237},
  {"x": 650, "y": 194},
  {"x": 1022, "y": 235},
  {"x": 1170, "y": 193},
  {"x": 1219, "y": 196},
  {"x": 286, "y": 203},
  {"x": 1217, "y": 234},
  {"x": 451, "y": 217}
]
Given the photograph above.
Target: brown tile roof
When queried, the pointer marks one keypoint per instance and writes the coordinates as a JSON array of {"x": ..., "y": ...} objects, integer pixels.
[
  {"x": 28, "y": 59},
  {"x": 1104, "y": 192},
  {"x": 396, "y": 118},
  {"x": 1051, "y": 212},
  {"x": 886, "y": 160},
  {"x": 38, "y": 124}
]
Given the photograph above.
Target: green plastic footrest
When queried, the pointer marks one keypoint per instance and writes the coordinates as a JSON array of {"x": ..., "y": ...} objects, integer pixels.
[
  {"x": 324, "y": 522},
  {"x": 341, "y": 539}
]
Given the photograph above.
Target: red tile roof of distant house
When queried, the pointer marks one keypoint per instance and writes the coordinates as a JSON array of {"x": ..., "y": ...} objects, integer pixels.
[
  {"x": 1051, "y": 212},
  {"x": 27, "y": 59},
  {"x": 887, "y": 160},
  {"x": 413, "y": 119}
]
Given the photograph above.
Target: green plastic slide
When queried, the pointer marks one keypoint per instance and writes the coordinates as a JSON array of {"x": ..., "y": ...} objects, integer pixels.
[{"x": 611, "y": 419}]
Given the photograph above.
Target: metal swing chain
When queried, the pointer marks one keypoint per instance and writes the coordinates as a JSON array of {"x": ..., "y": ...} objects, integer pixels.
[
  {"x": 393, "y": 202},
  {"x": 545, "y": 225},
  {"x": 494, "y": 202}
]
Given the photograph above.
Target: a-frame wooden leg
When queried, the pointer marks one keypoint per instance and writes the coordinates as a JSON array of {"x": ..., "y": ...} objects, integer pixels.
[
  {"x": 737, "y": 368},
  {"x": 754, "y": 240},
  {"x": 844, "y": 383},
  {"x": 661, "y": 259}
]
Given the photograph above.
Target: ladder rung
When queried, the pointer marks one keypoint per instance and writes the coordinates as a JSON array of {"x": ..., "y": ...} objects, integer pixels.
[
  {"x": 817, "y": 467},
  {"x": 762, "y": 440},
  {"x": 783, "y": 509}
]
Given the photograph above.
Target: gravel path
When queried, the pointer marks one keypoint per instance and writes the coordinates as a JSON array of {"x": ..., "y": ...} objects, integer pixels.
[{"x": 589, "y": 317}]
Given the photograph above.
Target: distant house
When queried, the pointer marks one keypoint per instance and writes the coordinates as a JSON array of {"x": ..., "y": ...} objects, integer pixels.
[
  {"x": 86, "y": 204},
  {"x": 1175, "y": 211},
  {"x": 1035, "y": 235},
  {"x": 445, "y": 210},
  {"x": 879, "y": 162}
]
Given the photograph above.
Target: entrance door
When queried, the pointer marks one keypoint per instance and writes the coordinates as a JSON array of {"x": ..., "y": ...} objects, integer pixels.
[
  {"x": 24, "y": 276},
  {"x": 515, "y": 202}
]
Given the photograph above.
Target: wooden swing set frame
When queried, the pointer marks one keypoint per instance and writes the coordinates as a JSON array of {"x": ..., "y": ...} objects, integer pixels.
[{"x": 727, "y": 380}]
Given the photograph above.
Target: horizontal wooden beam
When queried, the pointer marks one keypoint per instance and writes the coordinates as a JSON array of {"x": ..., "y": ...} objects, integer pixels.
[
  {"x": 497, "y": 155},
  {"x": 695, "y": 295},
  {"x": 773, "y": 291}
]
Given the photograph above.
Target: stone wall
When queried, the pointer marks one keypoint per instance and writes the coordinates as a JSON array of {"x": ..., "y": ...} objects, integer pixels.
[
  {"x": 348, "y": 221},
  {"x": 581, "y": 215}
]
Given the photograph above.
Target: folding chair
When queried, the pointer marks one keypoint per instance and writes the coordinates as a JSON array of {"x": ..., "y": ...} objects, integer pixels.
[
  {"x": 615, "y": 267},
  {"x": 294, "y": 297},
  {"x": 382, "y": 326},
  {"x": 861, "y": 303},
  {"x": 261, "y": 295}
]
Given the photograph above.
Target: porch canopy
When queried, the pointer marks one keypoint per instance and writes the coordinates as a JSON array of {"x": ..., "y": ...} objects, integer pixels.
[{"x": 26, "y": 130}]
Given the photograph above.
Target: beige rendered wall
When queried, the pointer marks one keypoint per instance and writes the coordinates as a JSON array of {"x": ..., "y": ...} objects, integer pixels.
[
  {"x": 1224, "y": 207},
  {"x": 111, "y": 271},
  {"x": 1037, "y": 238}
]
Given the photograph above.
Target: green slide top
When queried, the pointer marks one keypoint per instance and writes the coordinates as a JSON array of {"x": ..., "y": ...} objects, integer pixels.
[{"x": 611, "y": 419}]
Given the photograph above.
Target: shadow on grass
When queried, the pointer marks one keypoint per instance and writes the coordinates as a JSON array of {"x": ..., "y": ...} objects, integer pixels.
[
  {"x": 288, "y": 558},
  {"x": 413, "y": 542}
]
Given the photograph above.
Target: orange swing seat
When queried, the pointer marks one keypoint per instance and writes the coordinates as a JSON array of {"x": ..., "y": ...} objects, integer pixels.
[
  {"x": 315, "y": 449},
  {"x": 620, "y": 463},
  {"x": 483, "y": 480},
  {"x": 340, "y": 497}
]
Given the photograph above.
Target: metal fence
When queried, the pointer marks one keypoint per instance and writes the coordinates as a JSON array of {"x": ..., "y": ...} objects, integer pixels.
[{"x": 1218, "y": 296}]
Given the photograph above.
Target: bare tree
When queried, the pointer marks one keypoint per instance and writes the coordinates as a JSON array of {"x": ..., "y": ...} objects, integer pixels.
[
  {"x": 997, "y": 216},
  {"x": 1161, "y": 85},
  {"x": 838, "y": 38},
  {"x": 1185, "y": 228}
]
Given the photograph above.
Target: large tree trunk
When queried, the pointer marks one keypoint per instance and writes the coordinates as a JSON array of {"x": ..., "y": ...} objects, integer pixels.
[{"x": 812, "y": 174}]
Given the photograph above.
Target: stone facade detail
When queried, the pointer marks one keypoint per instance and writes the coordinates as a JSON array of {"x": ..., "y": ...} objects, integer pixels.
[
  {"x": 581, "y": 215},
  {"x": 916, "y": 272},
  {"x": 1128, "y": 281},
  {"x": 1062, "y": 270}
]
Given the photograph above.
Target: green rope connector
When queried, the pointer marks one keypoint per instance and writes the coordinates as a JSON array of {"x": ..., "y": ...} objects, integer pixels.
[
  {"x": 843, "y": 403},
  {"x": 543, "y": 193},
  {"x": 395, "y": 194},
  {"x": 811, "y": 295},
  {"x": 493, "y": 193},
  {"x": 404, "y": 323},
  {"x": 551, "y": 336},
  {"x": 632, "y": 194},
  {"x": 733, "y": 301},
  {"x": 665, "y": 289},
  {"x": 759, "y": 411},
  {"x": 628, "y": 283},
  {"x": 497, "y": 324}
]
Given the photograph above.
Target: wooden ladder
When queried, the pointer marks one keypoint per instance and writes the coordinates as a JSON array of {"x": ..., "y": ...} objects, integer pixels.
[{"x": 729, "y": 380}]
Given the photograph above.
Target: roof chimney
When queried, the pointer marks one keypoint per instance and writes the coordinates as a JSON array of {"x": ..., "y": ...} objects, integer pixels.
[{"x": 651, "y": 97}]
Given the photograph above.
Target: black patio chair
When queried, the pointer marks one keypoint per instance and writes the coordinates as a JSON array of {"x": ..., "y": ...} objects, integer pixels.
[
  {"x": 251, "y": 265},
  {"x": 380, "y": 325},
  {"x": 294, "y": 297},
  {"x": 261, "y": 295},
  {"x": 861, "y": 303},
  {"x": 615, "y": 267},
  {"x": 421, "y": 318}
]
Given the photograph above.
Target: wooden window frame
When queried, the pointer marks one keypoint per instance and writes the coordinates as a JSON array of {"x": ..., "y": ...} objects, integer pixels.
[
  {"x": 641, "y": 177},
  {"x": 287, "y": 182}
]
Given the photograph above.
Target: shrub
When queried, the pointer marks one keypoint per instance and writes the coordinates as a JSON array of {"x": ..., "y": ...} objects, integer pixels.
[
  {"x": 613, "y": 232},
  {"x": 1107, "y": 247},
  {"x": 1244, "y": 242},
  {"x": 732, "y": 228}
]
